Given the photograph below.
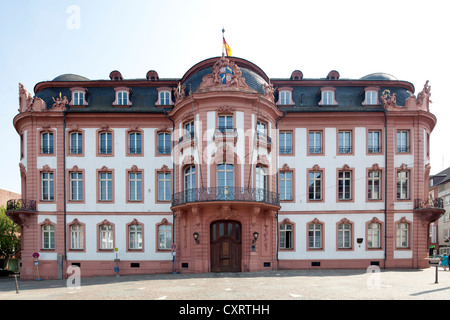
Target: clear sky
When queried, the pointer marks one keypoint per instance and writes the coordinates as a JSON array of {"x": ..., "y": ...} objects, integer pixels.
[{"x": 40, "y": 40}]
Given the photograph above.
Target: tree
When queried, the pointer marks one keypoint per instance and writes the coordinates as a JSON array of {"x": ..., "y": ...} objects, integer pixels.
[{"x": 9, "y": 236}]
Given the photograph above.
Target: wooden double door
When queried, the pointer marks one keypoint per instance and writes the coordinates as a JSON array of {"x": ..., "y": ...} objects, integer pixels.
[{"x": 226, "y": 246}]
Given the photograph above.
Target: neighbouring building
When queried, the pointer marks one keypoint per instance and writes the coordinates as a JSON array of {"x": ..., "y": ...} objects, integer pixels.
[
  {"x": 223, "y": 169},
  {"x": 440, "y": 229}
]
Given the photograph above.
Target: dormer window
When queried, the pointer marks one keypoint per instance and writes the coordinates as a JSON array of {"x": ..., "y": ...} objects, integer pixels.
[
  {"x": 327, "y": 97},
  {"x": 122, "y": 97},
  {"x": 164, "y": 97},
  {"x": 371, "y": 96},
  {"x": 78, "y": 97},
  {"x": 285, "y": 97}
]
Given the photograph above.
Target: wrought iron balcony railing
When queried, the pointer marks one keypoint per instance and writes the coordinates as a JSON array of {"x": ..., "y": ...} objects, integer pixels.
[
  {"x": 20, "y": 205},
  {"x": 225, "y": 194},
  {"x": 437, "y": 203}
]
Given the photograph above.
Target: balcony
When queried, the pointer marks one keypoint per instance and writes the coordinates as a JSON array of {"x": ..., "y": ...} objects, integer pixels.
[
  {"x": 429, "y": 210},
  {"x": 226, "y": 194},
  {"x": 21, "y": 211}
]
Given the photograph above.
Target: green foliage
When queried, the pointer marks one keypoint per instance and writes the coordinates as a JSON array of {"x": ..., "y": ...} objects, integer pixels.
[{"x": 9, "y": 235}]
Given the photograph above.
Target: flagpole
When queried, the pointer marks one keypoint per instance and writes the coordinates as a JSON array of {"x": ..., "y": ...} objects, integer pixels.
[{"x": 223, "y": 37}]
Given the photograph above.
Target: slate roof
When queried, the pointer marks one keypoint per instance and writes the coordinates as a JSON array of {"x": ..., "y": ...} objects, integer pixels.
[{"x": 349, "y": 93}]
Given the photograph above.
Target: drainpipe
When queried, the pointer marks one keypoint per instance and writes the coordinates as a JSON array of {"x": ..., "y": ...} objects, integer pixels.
[
  {"x": 385, "y": 185},
  {"x": 65, "y": 189},
  {"x": 277, "y": 178},
  {"x": 173, "y": 169}
]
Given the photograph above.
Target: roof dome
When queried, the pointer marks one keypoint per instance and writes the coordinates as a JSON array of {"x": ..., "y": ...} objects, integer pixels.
[
  {"x": 379, "y": 76},
  {"x": 70, "y": 77}
]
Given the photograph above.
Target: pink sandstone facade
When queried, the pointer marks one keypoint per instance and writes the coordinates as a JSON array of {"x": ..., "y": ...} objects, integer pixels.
[{"x": 241, "y": 172}]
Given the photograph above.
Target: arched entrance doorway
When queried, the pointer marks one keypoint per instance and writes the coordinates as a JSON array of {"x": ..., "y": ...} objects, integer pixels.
[{"x": 226, "y": 246}]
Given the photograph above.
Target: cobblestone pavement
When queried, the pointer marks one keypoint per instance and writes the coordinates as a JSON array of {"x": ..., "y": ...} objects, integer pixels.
[{"x": 268, "y": 285}]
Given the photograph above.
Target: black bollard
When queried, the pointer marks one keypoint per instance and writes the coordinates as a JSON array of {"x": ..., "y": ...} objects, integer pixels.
[{"x": 436, "y": 281}]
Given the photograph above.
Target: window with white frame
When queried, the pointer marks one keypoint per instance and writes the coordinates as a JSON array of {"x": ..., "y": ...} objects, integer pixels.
[
  {"x": 106, "y": 192},
  {"x": 374, "y": 141},
  {"x": 122, "y": 98},
  {"x": 344, "y": 236},
  {"x": 76, "y": 143},
  {"x": 47, "y": 142},
  {"x": 285, "y": 185},
  {"x": 344, "y": 185},
  {"x": 402, "y": 235},
  {"x": 402, "y": 141},
  {"x": 48, "y": 236},
  {"x": 135, "y": 236},
  {"x": 189, "y": 184},
  {"x": 135, "y": 186},
  {"x": 164, "y": 140},
  {"x": 371, "y": 97},
  {"x": 315, "y": 236},
  {"x": 402, "y": 185},
  {"x": 134, "y": 143},
  {"x": 47, "y": 186},
  {"x": 164, "y": 236},
  {"x": 76, "y": 186},
  {"x": 315, "y": 142},
  {"x": 106, "y": 236},
  {"x": 164, "y": 98},
  {"x": 286, "y": 142},
  {"x": 374, "y": 185},
  {"x": 286, "y": 236},
  {"x": 327, "y": 98},
  {"x": 78, "y": 98},
  {"x": 76, "y": 237},
  {"x": 285, "y": 98},
  {"x": 344, "y": 142},
  {"x": 105, "y": 141},
  {"x": 164, "y": 182},
  {"x": 374, "y": 235},
  {"x": 315, "y": 185}
]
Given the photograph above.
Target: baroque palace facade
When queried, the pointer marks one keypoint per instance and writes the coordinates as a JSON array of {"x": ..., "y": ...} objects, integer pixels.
[{"x": 241, "y": 172}]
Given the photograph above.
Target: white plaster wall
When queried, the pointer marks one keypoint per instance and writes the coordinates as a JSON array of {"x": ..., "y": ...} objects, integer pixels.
[{"x": 330, "y": 237}]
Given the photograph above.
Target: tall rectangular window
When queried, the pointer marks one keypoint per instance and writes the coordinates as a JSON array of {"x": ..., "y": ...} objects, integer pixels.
[
  {"x": 344, "y": 236},
  {"x": 315, "y": 185},
  {"x": 164, "y": 182},
  {"x": 164, "y": 98},
  {"x": 76, "y": 236},
  {"x": 135, "y": 186},
  {"x": 164, "y": 140},
  {"x": 315, "y": 236},
  {"x": 122, "y": 98},
  {"x": 76, "y": 143},
  {"x": 225, "y": 123},
  {"x": 371, "y": 98},
  {"x": 105, "y": 143},
  {"x": 345, "y": 142},
  {"x": 106, "y": 186},
  {"x": 134, "y": 143},
  {"x": 47, "y": 186},
  {"x": 135, "y": 236},
  {"x": 285, "y": 142},
  {"x": 286, "y": 185},
  {"x": 164, "y": 237},
  {"x": 374, "y": 235},
  {"x": 48, "y": 236},
  {"x": 402, "y": 141},
  {"x": 327, "y": 98},
  {"x": 285, "y": 98},
  {"x": 344, "y": 185},
  {"x": 374, "y": 184},
  {"x": 315, "y": 142},
  {"x": 106, "y": 237},
  {"x": 76, "y": 186},
  {"x": 402, "y": 185},
  {"x": 374, "y": 142},
  {"x": 402, "y": 235},
  {"x": 286, "y": 231},
  {"x": 47, "y": 142}
]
